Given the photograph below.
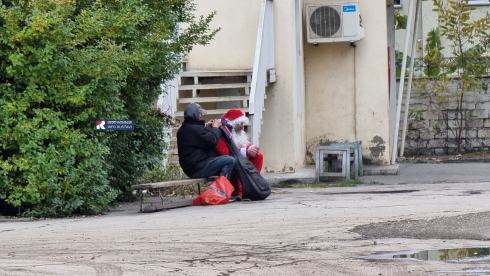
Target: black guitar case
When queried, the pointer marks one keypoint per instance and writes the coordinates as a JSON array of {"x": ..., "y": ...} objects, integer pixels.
[{"x": 254, "y": 185}]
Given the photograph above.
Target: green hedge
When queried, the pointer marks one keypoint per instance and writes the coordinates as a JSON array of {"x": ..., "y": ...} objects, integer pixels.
[{"x": 66, "y": 63}]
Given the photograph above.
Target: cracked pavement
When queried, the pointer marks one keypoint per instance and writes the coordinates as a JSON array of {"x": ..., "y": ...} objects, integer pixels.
[{"x": 294, "y": 232}]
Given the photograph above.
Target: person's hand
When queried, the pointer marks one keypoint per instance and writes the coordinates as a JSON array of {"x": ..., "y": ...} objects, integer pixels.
[
  {"x": 216, "y": 123},
  {"x": 253, "y": 151},
  {"x": 209, "y": 124}
]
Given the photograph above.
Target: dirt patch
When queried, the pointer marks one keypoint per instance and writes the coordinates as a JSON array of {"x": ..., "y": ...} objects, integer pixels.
[{"x": 468, "y": 226}]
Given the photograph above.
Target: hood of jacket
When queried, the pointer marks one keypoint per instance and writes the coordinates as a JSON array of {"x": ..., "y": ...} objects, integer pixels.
[{"x": 192, "y": 111}]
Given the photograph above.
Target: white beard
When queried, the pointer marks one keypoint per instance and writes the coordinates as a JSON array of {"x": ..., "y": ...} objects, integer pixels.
[{"x": 240, "y": 138}]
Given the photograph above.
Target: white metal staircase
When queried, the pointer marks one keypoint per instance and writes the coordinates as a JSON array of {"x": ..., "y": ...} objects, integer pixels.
[
  {"x": 208, "y": 88},
  {"x": 219, "y": 91}
]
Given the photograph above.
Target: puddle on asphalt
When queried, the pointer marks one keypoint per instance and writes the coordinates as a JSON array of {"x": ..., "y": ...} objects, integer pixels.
[{"x": 469, "y": 254}]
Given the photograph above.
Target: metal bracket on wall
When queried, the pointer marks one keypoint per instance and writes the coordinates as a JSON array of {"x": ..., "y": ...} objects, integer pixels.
[{"x": 271, "y": 74}]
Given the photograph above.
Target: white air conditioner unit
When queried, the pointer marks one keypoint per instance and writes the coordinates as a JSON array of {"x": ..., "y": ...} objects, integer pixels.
[{"x": 334, "y": 22}]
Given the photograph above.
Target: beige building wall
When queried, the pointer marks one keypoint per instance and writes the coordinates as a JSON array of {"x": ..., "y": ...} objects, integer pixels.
[
  {"x": 283, "y": 135},
  {"x": 327, "y": 93},
  {"x": 234, "y": 46},
  {"x": 347, "y": 94}
]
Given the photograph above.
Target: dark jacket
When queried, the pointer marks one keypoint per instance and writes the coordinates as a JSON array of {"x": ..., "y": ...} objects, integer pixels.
[{"x": 196, "y": 144}]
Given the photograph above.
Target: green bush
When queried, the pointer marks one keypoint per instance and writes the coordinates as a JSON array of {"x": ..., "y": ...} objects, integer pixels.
[
  {"x": 66, "y": 63},
  {"x": 135, "y": 152}
]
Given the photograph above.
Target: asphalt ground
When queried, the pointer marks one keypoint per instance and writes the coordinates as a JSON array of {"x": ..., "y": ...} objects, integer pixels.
[{"x": 327, "y": 231}]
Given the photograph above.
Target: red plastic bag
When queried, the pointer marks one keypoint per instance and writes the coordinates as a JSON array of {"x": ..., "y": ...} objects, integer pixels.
[{"x": 218, "y": 193}]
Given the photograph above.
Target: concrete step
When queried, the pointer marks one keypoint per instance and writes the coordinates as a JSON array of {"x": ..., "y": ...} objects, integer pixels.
[
  {"x": 381, "y": 170},
  {"x": 212, "y": 111},
  {"x": 307, "y": 174},
  {"x": 214, "y": 86},
  {"x": 213, "y": 99},
  {"x": 219, "y": 73}
]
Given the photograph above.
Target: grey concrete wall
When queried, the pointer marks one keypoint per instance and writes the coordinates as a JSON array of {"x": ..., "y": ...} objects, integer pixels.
[{"x": 428, "y": 132}]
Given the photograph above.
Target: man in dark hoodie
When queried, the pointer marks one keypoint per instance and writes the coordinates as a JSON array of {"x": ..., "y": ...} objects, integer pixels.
[{"x": 196, "y": 142}]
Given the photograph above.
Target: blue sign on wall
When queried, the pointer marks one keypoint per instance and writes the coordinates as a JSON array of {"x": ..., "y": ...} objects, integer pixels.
[{"x": 351, "y": 8}]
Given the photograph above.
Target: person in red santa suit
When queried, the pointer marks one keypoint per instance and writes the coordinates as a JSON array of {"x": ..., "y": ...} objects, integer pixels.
[{"x": 235, "y": 119}]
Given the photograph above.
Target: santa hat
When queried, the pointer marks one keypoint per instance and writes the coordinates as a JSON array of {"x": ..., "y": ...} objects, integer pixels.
[{"x": 235, "y": 117}]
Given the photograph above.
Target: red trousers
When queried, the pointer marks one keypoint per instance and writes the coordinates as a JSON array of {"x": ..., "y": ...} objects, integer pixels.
[{"x": 257, "y": 161}]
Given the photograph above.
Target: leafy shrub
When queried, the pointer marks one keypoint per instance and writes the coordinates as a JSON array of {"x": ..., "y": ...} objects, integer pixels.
[
  {"x": 66, "y": 63},
  {"x": 135, "y": 152}
]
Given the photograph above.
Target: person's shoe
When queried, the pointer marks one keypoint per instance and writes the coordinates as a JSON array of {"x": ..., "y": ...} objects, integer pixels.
[
  {"x": 245, "y": 198},
  {"x": 236, "y": 198}
]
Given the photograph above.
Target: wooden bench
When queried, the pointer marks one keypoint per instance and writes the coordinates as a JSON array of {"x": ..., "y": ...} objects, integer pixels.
[{"x": 144, "y": 187}]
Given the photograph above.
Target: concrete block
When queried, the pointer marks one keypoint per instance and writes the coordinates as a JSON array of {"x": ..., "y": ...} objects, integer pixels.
[
  {"x": 486, "y": 123},
  {"x": 421, "y": 115},
  {"x": 440, "y": 151},
  {"x": 433, "y": 118},
  {"x": 475, "y": 143},
  {"x": 452, "y": 150},
  {"x": 453, "y": 134},
  {"x": 455, "y": 123},
  {"x": 453, "y": 105},
  {"x": 413, "y": 134},
  {"x": 436, "y": 143},
  {"x": 427, "y": 152},
  {"x": 473, "y": 123},
  {"x": 419, "y": 107},
  {"x": 477, "y": 149},
  {"x": 417, "y": 99},
  {"x": 440, "y": 134},
  {"x": 484, "y": 133},
  {"x": 452, "y": 143},
  {"x": 420, "y": 124},
  {"x": 475, "y": 97},
  {"x": 438, "y": 124},
  {"x": 477, "y": 114},
  {"x": 426, "y": 134},
  {"x": 452, "y": 115},
  {"x": 415, "y": 144},
  {"x": 483, "y": 105},
  {"x": 471, "y": 133},
  {"x": 484, "y": 93},
  {"x": 409, "y": 152},
  {"x": 441, "y": 116}
]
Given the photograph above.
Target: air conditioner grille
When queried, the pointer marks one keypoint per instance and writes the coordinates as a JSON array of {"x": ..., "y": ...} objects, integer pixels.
[{"x": 325, "y": 21}]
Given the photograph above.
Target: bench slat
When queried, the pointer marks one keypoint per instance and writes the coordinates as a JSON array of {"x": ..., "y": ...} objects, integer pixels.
[{"x": 172, "y": 183}]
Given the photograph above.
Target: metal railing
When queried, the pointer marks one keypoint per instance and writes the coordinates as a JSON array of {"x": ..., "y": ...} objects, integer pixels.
[{"x": 263, "y": 61}]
